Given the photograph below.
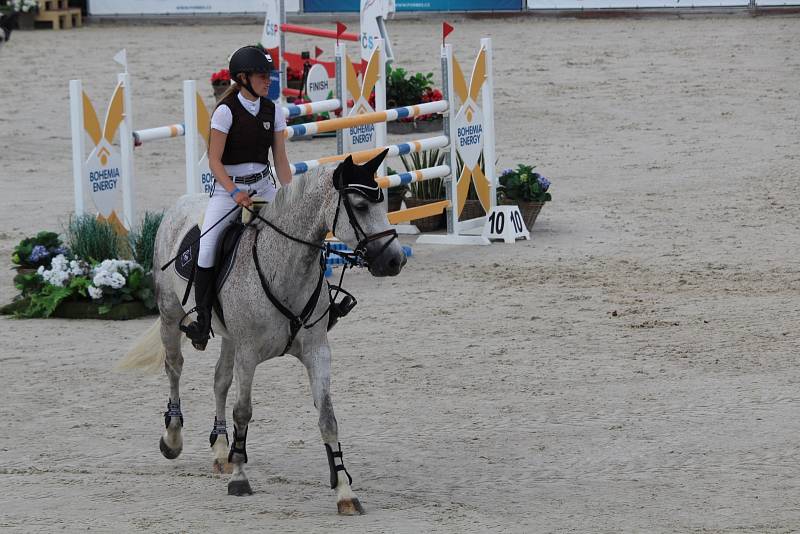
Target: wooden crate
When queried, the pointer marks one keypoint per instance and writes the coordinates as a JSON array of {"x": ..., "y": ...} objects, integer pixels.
[{"x": 59, "y": 14}]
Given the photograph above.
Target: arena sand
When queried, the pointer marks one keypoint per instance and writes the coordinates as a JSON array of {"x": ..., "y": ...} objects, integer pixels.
[{"x": 633, "y": 368}]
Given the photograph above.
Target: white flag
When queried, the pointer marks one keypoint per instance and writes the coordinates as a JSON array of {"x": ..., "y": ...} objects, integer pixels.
[{"x": 122, "y": 59}]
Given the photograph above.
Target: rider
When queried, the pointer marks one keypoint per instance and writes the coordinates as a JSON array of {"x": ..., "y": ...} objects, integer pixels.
[{"x": 244, "y": 126}]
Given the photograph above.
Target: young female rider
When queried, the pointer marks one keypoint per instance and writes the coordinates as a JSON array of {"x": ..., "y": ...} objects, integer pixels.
[{"x": 244, "y": 126}]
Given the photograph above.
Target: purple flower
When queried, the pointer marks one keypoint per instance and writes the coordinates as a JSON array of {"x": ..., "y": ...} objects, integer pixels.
[
  {"x": 38, "y": 253},
  {"x": 59, "y": 250},
  {"x": 544, "y": 183},
  {"x": 507, "y": 171}
]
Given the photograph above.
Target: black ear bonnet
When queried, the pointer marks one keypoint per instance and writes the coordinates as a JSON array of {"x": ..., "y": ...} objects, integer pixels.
[{"x": 359, "y": 179}]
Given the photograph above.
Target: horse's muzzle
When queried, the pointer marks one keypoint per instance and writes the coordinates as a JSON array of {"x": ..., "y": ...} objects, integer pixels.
[{"x": 390, "y": 262}]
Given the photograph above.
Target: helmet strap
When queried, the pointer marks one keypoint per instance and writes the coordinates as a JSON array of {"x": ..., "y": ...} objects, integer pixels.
[{"x": 247, "y": 85}]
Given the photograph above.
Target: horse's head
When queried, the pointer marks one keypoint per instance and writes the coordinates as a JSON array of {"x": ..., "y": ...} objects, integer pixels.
[{"x": 360, "y": 218}]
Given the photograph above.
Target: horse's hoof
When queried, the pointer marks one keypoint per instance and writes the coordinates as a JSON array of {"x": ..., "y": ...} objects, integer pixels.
[
  {"x": 350, "y": 507},
  {"x": 169, "y": 453},
  {"x": 239, "y": 488},
  {"x": 222, "y": 467}
]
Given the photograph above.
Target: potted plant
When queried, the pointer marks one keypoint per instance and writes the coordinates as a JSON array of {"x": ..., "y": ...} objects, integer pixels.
[
  {"x": 403, "y": 89},
  {"x": 220, "y": 81},
  {"x": 27, "y": 10},
  {"x": 527, "y": 189},
  {"x": 294, "y": 78},
  {"x": 427, "y": 191},
  {"x": 33, "y": 252},
  {"x": 395, "y": 194},
  {"x": 90, "y": 281}
]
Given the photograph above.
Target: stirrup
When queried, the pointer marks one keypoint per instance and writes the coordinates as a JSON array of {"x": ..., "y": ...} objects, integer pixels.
[{"x": 199, "y": 339}]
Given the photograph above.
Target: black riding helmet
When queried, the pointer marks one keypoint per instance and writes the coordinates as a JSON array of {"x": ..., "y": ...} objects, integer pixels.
[{"x": 248, "y": 60}]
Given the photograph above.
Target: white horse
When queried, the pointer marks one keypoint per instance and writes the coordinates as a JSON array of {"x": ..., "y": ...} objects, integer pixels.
[{"x": 272, "y": 271}]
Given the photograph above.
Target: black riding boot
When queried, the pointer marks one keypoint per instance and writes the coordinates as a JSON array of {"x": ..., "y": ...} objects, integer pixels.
[{"x": 198, "y": 331}]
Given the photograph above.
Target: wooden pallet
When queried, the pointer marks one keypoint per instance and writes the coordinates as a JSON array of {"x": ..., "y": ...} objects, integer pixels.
[{"x": 59, "y": 14}]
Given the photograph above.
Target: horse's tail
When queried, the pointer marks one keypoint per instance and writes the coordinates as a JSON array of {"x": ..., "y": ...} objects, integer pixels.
[{"x": 148, "y": 354}]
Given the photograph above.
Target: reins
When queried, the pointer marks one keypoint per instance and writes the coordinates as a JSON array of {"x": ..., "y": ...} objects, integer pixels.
[{"x": 356, "y": 258}]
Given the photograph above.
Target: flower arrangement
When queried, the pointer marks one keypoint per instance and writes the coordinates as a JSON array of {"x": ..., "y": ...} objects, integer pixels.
[
  {"x": 522, "y": 184},
  {"x": 64, "y": 275},
  {"x": 293, "y": 75},
  {"x": 221, "y": 77},
  {"x": 107, "y": 284},
  {"x": 34, "y": 251},
  {"x": 404, "y": 89},
  {"x": 25, "y": 6}
]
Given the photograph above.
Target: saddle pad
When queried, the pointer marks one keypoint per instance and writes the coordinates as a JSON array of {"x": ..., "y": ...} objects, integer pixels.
[{"x": 226, "y": 252}]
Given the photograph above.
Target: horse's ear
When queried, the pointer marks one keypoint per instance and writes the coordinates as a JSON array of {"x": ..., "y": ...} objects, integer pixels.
[{"x": 372, "y": 165}]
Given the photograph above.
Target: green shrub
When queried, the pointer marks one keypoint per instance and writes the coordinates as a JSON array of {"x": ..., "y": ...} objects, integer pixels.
[
  {"x": 142, "y": 239},
  {"x": 94, "y": 240},
  {"x": 432, "y": 189}
]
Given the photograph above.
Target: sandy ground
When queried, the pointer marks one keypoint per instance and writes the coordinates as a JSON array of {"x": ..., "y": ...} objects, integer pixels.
[{"x": 632, "y": 368}]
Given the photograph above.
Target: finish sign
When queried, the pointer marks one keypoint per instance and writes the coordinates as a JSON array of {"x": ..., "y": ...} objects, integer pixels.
[{"x": 318, "y": 85}]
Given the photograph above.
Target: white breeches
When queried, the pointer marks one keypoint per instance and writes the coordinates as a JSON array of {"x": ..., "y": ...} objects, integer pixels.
[{"x": 220, "y": 204}]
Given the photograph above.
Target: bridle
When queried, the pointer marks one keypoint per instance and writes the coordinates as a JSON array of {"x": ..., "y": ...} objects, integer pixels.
[
  {"x": 371, "y": 194},
  {"x": 356, "y": 258}
]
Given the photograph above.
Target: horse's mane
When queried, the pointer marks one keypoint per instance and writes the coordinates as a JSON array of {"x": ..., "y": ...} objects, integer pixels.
[{"x": 289, "y": 195}]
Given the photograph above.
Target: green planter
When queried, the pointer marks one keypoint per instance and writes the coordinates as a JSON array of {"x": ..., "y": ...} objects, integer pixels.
[{"x": 87, "y": 310}]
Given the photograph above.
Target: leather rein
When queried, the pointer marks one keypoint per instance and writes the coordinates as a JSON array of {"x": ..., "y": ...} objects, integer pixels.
[{"x": 356, "y": 258}]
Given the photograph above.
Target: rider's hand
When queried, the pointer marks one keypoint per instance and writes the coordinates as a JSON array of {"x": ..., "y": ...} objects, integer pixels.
[{"x": 243, "y": 199}]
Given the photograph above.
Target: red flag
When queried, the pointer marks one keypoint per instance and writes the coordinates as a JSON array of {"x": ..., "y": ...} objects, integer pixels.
[
  {"x": 446, "y": 29},
  {"x": 317, "y": 51},
  {"x": 340, "y": 28}
]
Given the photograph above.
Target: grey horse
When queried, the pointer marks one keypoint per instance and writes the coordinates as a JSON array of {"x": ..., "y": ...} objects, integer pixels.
[{"x": 345, "y": 200}]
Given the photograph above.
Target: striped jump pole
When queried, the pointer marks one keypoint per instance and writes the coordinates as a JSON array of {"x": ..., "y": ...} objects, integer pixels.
[
  {"x": 159, "y": 132},
  {"x": 420, "y": 175},
  {"x": 361, "y": 156},
  {"x": 300, "y": 110},
  {"x": 389, "y": 115}
]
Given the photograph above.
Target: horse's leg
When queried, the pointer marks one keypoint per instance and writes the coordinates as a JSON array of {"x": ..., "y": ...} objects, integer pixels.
[
  {"x": 171, "y": 442},
  {"x": 245, "y": 367},
  {"x": 318, "y": 365},
  {"x": 223, "y": 376}
]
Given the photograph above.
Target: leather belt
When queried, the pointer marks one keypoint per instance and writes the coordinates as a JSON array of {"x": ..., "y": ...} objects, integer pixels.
[{"x": 252, "y": 178}]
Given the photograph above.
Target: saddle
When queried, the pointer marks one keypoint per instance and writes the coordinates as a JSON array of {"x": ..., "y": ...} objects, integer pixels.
[{"x": 227, "y": 246}]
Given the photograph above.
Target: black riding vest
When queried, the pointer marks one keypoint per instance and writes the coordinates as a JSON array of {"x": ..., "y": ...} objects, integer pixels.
[{"x": 249, "y": 138}]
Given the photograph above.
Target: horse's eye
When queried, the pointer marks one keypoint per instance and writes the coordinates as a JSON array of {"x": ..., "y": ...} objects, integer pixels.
[{"x": 361, "y": 207}]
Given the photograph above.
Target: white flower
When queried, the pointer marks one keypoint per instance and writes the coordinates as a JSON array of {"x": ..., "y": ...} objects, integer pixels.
[
  {"x": 78, "y": 268},
  {"x": 59, "y": 272},
  {"x": 117, "y": 280},
  {"x": 95, "y": 293}
]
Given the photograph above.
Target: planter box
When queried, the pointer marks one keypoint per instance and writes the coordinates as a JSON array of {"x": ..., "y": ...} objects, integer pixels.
[
  {"x": 529, "y": 210},
  {"x": 427, "y": 224},
  {"x": 411, "y": 127},
  {"x": 472, "y": 210},
  {"x": 26, "y": 21},
  {"x": 87, "y": 310}
]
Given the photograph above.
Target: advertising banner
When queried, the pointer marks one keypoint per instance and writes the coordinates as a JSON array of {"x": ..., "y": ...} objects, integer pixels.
[
  {"x": 630, "y": 4},
  {"x": 327, "y": 6},
  {"x": 182, "y": 7}
]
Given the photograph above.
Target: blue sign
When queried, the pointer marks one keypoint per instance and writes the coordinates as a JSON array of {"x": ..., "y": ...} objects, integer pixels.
[
  {"x": 336, "y": 6},
  {"x": 274, "y": 85}
]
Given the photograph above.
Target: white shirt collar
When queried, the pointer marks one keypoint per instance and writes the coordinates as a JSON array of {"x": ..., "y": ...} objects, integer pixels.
[{"x": 252, "y": 107}]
